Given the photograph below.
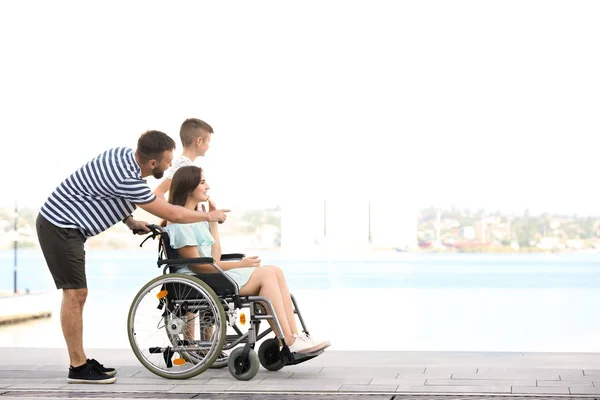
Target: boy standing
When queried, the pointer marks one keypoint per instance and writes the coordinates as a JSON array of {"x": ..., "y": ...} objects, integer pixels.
[{"x": 195, "y": 137}]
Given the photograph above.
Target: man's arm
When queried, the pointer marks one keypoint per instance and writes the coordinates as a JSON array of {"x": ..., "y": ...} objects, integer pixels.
[
  {"x": 162, "y": 209},
  {"x": 163, "y": 188}
]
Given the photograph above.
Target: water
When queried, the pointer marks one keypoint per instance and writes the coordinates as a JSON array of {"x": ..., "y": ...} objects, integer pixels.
[
  {"x": 374, "y": 301},
  {"x": 387, "y": 270}
]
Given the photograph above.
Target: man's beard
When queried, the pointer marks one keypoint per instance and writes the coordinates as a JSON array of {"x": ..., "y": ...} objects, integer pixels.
[{"x": 157, "y": 173}]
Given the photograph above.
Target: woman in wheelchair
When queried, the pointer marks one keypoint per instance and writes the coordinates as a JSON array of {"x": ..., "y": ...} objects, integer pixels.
[{"x": 188, "y": 189}]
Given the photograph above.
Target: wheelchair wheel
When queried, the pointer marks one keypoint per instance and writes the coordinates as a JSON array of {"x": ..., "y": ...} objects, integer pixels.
[
  {"x": 165, "y": 330},
  {"x": 206, "y": 325},
  {"x": 220, "y": 364},
  {"x": 247, "y": 368},
  {"x": 268, "y": 354}
]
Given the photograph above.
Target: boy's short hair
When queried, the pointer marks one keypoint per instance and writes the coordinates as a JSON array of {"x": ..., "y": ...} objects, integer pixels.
[
  {"x": 152, "y": 144},
  {"x": 189, "y": 130}
]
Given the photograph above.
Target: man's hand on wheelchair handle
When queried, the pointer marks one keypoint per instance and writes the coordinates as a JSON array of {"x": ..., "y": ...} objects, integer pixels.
[{"x": 138, "y": 227}]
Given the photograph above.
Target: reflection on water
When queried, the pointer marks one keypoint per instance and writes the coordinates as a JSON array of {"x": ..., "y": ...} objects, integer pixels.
[
  {"x": 389, "y": 319},
  {"x": 392, "y": 301}
]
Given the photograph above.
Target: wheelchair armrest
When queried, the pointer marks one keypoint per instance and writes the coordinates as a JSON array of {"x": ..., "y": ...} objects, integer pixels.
[
  {"x": 182, "y": 261},
  {"x": 232, "y": 256}
]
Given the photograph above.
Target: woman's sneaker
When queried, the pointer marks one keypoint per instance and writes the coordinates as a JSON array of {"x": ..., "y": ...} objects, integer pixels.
[
  {"x": 88, "y": 373},
  {"x": 302, "y": 344},
  {"x": 106, "y": 370},
  {"x": 317, "y": 342}
]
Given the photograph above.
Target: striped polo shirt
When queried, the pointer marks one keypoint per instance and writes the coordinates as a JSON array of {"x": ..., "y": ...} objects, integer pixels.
[{"x": 99, "y": 194}]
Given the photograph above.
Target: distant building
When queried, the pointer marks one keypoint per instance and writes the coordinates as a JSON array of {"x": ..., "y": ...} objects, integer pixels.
[
  {"x": 468, "y": 232},
  {"x": 576, "y": 244},
  {"x": 549, "y": 243}
]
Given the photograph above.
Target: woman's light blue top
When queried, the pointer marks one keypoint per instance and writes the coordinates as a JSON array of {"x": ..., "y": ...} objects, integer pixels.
[{"x": 198, "y": 234}]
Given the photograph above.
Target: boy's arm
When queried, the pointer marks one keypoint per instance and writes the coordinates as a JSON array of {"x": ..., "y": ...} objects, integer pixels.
[{"x": 163, "y": 188}]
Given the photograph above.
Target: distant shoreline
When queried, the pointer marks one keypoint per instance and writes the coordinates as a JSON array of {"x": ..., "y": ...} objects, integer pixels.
[{"x": 480, "y": 250}]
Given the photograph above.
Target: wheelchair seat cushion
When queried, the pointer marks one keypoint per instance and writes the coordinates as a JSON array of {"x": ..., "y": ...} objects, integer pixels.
[{"x": 218, "y": 283}]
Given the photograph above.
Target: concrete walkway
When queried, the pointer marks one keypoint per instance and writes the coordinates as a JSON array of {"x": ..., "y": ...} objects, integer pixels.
[{"x": 396, "y": 373}]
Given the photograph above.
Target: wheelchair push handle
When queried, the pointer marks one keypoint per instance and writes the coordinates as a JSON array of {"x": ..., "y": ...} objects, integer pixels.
[{"x": 155, "y": 230}]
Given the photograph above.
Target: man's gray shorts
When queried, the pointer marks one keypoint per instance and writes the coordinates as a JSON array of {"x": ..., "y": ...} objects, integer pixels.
[{"x": 64, "y": 252}]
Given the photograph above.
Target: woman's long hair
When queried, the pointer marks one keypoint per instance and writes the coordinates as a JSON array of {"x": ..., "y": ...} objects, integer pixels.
[{"x": 184, "y": 182}]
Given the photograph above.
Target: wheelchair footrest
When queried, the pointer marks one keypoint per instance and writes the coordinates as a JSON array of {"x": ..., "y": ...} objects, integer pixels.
[{"x": 297, "y": 358}]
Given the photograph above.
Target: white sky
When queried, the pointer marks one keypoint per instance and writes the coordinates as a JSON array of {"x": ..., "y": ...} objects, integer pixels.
[{"x": 489, "y": 104}]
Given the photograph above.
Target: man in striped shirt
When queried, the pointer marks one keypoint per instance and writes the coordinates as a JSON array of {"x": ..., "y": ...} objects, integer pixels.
[{"x": 98, "y": 195}]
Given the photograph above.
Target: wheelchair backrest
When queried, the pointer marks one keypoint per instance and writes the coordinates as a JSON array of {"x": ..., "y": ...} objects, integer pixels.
[
  {"x": 166, "y": 252},
  {"x": 221, "y": 285},
  {"x": 164, "y": 248}
]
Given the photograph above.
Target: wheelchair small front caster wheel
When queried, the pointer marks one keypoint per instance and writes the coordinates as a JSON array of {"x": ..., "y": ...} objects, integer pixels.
[
  {"x": 248, "y": 368},
  {"x": 268, "y": 354}
]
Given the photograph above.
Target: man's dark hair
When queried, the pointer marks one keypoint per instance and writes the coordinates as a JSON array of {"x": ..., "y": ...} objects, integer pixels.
[
  {"x": 189, "y": 130},
  {"x": 152, "y": 144}
]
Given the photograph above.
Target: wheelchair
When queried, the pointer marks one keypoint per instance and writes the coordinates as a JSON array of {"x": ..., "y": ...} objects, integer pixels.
[{"x": 178, "y": 323}]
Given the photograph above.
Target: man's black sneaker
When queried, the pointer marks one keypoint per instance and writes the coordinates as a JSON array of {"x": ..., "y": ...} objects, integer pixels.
[
  {"x": 88, "y": 373},
  {"x": 107, "y": 371}
]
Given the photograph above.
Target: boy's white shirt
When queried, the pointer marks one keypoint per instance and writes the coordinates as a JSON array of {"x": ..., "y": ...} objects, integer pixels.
[{"x": 181, "y": 161}]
